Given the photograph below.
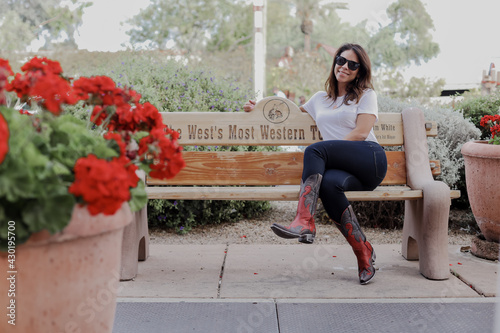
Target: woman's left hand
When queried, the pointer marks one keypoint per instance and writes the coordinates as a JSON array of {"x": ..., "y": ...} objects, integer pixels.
[{"x": 249, "y": 106}]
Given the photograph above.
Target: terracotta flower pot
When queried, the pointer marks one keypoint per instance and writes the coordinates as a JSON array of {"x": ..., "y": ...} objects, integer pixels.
[
  {"x": 66, "y": 282},
  {"x": 482, "y": 176}
]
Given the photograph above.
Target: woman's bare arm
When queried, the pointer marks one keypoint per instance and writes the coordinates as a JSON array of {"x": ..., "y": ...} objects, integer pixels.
[{"x": 364, "y": 124}]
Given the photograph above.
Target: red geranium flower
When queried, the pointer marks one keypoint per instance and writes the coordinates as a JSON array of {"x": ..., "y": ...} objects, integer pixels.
[
  {"x": 103, "y": 185},
  {"x": 43, "y": 65},
  {"x": 118, "y": 139},
  {"x": 52, "y": 91},
  {"x": 110, "y": 102},
  {"x": 4, "y": 65},
  {"x": 141, "y": 117},
  {"x": 493, "y": 122},
  {"x": 94, "y": 87},
  {"x": 165, "y": 152},
  {"x": 44, "y": 84}
]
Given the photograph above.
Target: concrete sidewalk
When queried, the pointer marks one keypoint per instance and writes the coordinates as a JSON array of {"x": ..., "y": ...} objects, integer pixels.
[{"x": 242, "y": 288}]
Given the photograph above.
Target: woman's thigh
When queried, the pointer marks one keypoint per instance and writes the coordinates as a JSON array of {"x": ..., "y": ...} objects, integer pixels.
[{"x": 362, "y": 159}]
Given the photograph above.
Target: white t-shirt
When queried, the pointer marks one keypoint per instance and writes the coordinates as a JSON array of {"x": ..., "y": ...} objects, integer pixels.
[{"x": 335, "y": 119}]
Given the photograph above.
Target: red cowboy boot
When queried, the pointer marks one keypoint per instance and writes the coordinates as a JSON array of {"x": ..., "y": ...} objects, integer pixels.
[
  {"x": 303, "y": 226},
  {"x": 349, "y": 226}
]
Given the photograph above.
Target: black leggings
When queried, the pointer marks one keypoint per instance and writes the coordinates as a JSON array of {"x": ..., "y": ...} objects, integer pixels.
[{"x": 345, "y": 166}]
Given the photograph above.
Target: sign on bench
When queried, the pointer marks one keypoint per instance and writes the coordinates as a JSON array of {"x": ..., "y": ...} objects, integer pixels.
[{"x": 277, "y": 123}]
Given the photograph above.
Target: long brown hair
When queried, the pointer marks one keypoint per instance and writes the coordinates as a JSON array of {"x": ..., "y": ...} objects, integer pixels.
[{"x": 356, "y": 87}]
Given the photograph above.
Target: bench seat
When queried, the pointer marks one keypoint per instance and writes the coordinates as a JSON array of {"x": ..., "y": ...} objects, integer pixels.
[{"x": 280, "y": 193}]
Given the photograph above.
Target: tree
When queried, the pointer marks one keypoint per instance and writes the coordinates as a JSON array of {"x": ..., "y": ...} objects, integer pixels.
[
  {"x": 406, "y": 39},
  {"x": 235, "y": 29},
  {"x": 392, "y": 82},
  {"x": 308, "y": 10},
  {"x": 23, "y": 21},
  {"x": 193, "y": 25},
  {"x": 221, "y": 25}
]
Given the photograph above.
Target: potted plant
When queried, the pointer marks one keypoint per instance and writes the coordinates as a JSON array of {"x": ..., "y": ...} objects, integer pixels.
[
  {"x": 67, "y": 189},
  {"x": 482, "y": 172}
]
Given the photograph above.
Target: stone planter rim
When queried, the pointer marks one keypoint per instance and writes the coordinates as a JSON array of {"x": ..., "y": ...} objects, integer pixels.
[
  {"x": 83, "y": 224},
  {"x": 481, "y": 149}
]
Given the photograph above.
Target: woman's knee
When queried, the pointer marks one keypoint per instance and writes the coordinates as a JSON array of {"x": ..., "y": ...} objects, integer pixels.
[
  {"x": 314, "y": 148},
  {"x": 332, "y": 185}
]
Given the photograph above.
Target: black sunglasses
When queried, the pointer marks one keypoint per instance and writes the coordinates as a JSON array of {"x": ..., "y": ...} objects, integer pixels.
[{"x": 352, "y": 65}]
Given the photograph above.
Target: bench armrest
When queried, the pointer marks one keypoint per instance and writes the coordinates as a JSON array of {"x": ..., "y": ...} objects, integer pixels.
[{"x": 418, "y": 173}]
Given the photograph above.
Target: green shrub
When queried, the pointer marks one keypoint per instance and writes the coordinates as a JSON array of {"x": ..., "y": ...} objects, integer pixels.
[
  {"x": 475, "y": 107},
  {"x": 173, "y": 86},
  {"x": 453, "y": 131},
  {"x": 183, "y": 215}
]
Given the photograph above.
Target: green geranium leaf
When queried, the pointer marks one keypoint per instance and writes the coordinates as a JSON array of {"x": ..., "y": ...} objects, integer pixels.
[
  {"x": 139, "y": 197},
  {"x": 139, "y": 135},
  {"x": 10, "y": 228},
  {"x": 60, "y": 169},
  {"x": 52, "y": 214},
  {"x": 145, "y": 167}
]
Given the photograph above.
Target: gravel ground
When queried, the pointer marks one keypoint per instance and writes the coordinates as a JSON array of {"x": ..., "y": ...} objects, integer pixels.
[{"x": 257, "y": 231}]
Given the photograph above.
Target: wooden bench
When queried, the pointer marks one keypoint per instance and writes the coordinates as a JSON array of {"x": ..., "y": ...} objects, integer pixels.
[{"x": 276, "y": 175}]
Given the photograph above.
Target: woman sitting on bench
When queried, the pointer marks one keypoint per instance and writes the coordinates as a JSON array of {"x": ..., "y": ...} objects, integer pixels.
[{"x": 349, "y": 158}]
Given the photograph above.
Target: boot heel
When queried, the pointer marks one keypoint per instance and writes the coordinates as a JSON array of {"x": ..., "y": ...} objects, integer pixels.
[{"x": 307, "y": 238}]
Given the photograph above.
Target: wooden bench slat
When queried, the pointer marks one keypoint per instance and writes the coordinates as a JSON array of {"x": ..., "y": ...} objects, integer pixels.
[
  {"x": 262, "y": 168},
  {"x": 237, "y": 168},
  {"x": 279, "y": 193}
]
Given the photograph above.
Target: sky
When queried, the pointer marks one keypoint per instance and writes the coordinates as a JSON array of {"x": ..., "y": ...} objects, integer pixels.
[{"x": 468, "y": 33}]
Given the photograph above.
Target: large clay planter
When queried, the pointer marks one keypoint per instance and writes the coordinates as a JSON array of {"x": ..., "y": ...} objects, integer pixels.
[
  {"x": 482, "y": 176},
  {"x": 66, "y": 282}
]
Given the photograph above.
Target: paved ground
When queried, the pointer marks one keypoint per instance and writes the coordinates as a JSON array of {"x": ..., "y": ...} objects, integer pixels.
[{"x": 302, "y": 288}]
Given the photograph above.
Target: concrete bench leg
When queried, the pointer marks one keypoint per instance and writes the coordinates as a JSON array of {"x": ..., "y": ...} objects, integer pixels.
[
  {"x": 425, "y": 231},
  {"x": 135, "y": 245}
]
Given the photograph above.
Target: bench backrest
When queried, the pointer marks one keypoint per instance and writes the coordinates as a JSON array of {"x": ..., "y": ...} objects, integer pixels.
[{"x": 275, "y": 121}]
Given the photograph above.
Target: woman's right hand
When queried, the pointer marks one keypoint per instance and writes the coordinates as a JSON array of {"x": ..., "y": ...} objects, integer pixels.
[{"x": 249, "y": 106}]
